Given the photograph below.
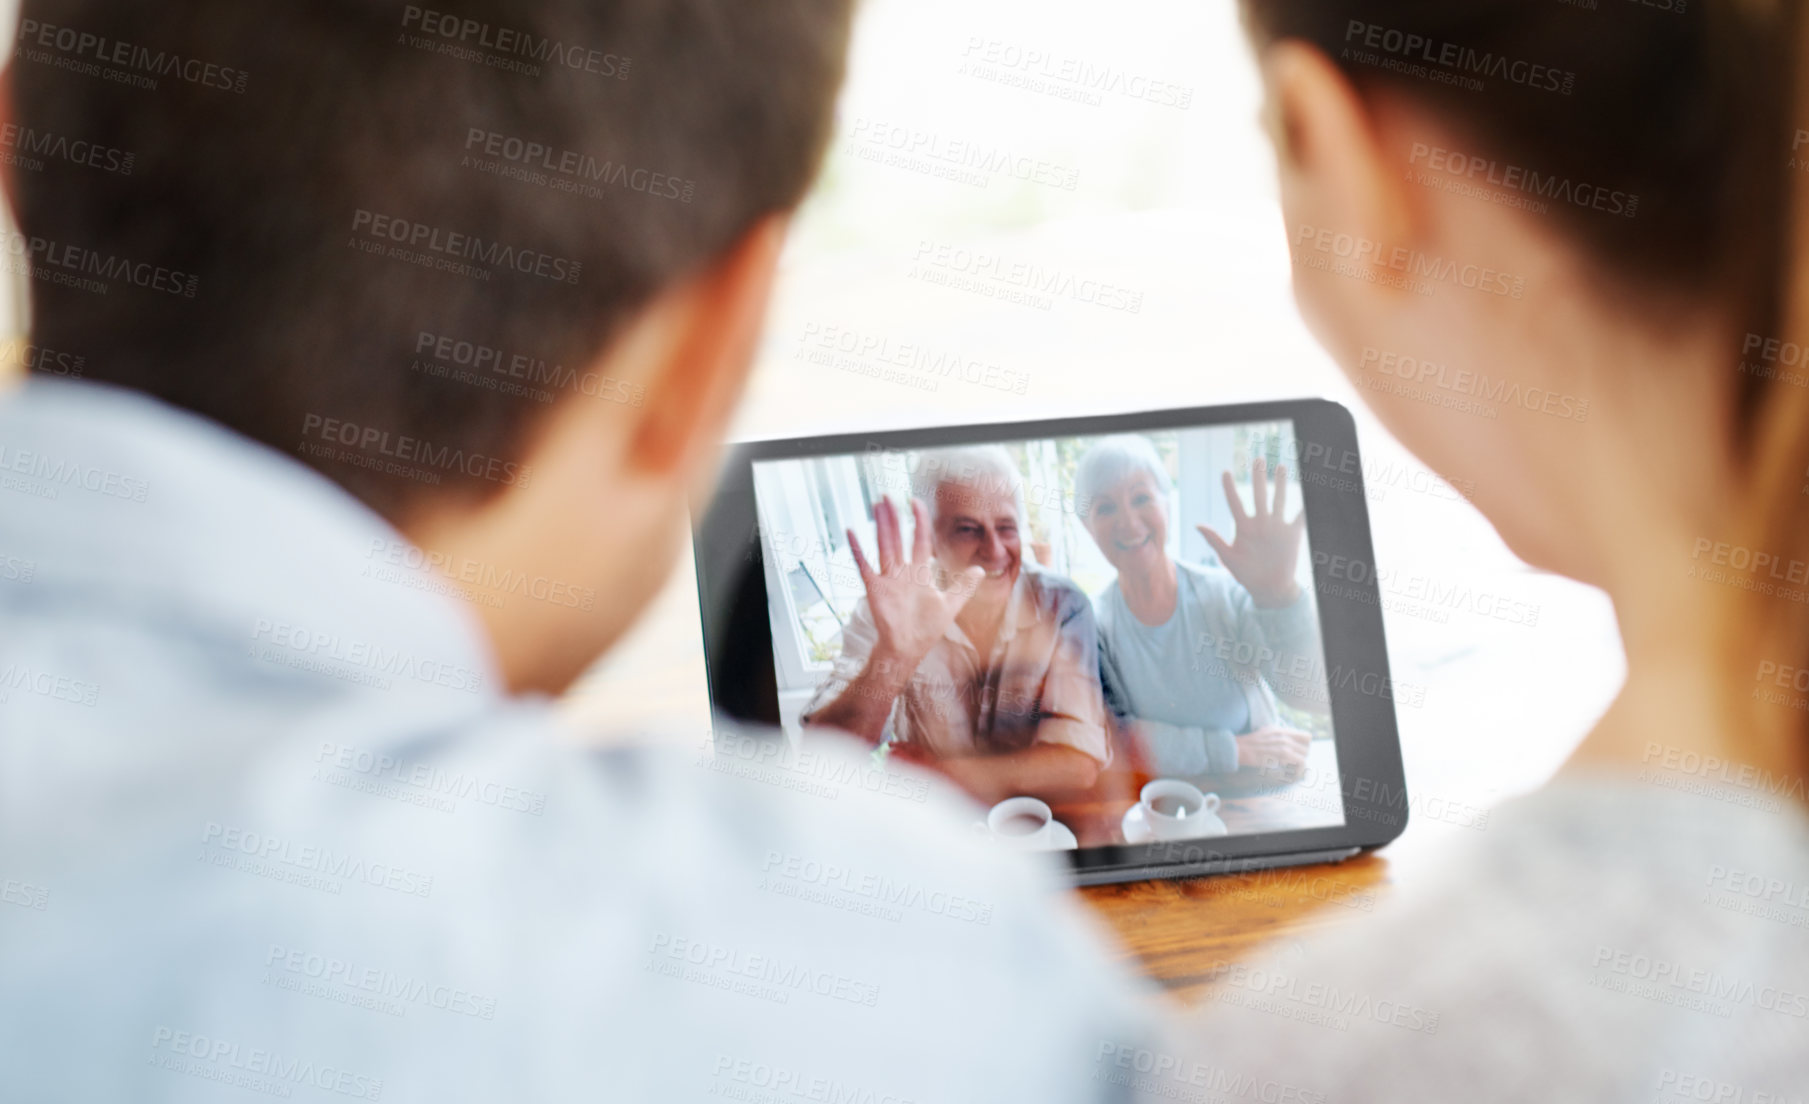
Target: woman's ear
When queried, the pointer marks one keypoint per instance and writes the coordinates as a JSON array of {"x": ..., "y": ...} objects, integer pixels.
[
  {"x": 1330, "y": 145},
  {"x": 1343, "y": 193}
]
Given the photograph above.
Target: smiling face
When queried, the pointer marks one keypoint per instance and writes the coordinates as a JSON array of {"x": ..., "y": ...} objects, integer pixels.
[
  {"x": 978, "y": 524},
  {"x": 1129, "y": 523}
]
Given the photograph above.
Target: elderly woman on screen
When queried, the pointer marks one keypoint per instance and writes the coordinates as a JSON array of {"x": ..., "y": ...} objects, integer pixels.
[{"x": 1189, "y": 655}]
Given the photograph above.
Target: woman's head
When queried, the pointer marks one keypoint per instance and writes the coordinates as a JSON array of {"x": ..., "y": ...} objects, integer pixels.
[
  {"x": 1516, "y": 223},
  {"x": 1538, "y": 237},
  {"x": 1123, "y": 492}
]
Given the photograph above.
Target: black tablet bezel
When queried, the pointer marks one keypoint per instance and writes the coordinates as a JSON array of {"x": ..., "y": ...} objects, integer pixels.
[{"x": 738, "y": 645}]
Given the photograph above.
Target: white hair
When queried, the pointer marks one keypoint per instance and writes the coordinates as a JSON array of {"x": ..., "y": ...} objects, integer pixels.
[
  {"x": 981, "y": 468},
  {"x": 1110, "y": 462}
]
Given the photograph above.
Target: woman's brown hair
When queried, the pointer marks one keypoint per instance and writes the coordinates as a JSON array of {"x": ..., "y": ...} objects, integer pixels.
[{"x": 1689, "y": 105}]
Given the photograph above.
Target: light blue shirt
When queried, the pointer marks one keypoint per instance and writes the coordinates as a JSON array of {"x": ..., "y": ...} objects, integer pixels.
[
  {"x": 268, "y": 826},
  {"x": 1192, "y": 685}
]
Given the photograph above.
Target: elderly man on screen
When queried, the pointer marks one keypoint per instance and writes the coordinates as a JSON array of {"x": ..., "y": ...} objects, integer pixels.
[
  {"x": 1165, "y": 627},
  {"x": 965, "y": 657}
]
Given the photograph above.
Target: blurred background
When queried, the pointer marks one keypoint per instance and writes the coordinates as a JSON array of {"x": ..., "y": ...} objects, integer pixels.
[{"x": 1054, "y": 208}]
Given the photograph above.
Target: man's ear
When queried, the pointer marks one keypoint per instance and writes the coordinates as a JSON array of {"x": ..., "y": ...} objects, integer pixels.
[{"x": 708, "y": 329}]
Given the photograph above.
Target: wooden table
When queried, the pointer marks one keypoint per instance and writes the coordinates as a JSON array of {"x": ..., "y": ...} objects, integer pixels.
[{"x": 1177, "y": 930}]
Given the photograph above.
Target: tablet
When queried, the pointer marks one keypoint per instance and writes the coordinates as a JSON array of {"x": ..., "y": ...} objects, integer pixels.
[{"x": 1152, "y": 642}]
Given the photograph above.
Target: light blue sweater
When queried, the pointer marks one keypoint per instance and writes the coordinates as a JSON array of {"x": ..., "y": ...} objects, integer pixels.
[{"x": 1207, "y": 675}]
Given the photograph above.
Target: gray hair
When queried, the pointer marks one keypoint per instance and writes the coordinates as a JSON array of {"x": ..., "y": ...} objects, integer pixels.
[
  {"x": 983, "y": 468},
  {"x": 1110, "y": 461}
]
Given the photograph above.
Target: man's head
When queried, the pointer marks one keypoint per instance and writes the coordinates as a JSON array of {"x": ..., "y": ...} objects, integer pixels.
[
  {"x": 976, "y": 502},
  {"x": 517, "y": 252}
]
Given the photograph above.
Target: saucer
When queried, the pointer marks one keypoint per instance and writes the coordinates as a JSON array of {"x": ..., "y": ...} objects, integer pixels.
[
  {"x": 1061, "y": 838},
  {"x": 1137, "y": 829}
]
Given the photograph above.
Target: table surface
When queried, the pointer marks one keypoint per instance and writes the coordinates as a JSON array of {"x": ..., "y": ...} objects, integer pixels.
[{"x": 1178, "y": 930}]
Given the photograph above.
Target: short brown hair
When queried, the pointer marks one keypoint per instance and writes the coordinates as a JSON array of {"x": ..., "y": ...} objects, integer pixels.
[{"x": 423, "y": 221}]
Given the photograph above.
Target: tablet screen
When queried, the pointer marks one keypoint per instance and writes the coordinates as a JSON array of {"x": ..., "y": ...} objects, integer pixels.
[{"x": 1106, "y": 640}]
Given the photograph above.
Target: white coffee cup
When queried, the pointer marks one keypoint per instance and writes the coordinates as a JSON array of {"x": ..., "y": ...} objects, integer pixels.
[
  {"x": 1021, "y": 820},
  {"x": 1173, "y": 808}
]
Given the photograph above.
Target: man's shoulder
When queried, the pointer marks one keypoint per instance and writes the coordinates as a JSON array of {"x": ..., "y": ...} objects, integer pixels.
[
  {"x": 1057, "y": 592},
  {"x": 734, "y": 863},
  {"x": 826, "y": 800},
  {"x": 512, "y": 800},
  {"x": 383, "y": 896}
]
